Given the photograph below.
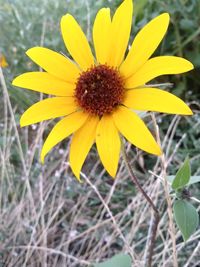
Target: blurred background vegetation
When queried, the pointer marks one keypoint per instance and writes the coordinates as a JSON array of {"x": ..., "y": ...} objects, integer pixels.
[{"x": 25, "y": 24}]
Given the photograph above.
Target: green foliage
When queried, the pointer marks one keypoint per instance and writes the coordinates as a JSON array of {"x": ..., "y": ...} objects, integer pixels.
[
  {"x": 193, "y": 179},
  {"x": 186, "y": 217},
  {"x": 185, "y": 214},
  {"x": 139, "y": 6},
  {"x": 120, "y": 260},
  {"x": 183, "y": 176}
]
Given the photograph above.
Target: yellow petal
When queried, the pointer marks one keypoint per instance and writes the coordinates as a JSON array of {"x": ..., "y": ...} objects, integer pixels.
[
  {"x": 158, "y": 66},
  {"x": 144, "y": 44},
  {"x": 101, "y": 35},
  {"x": 135, "y": 131},
  {"x": 76, "y": 42},
  {"x": 120, "y": 33},
  {"x": 48, "y": 109},
  {"x": 54, "y": 63},
  {"x": 62, "y": 130},
  {"x": 45, "y": 83},
  {"x": 82, "y": 141},
  {"x": 152, "y": 99},
  {"x": 108, "y": 144}
]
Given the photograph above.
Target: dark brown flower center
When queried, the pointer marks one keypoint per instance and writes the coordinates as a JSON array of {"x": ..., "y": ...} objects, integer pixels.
[{"x": 99, "y": 90}]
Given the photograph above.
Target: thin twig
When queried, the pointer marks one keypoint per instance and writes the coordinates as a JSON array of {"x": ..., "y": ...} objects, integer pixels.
[
  {"x": 195, "y": 199},
  {"x": 155, "y": 85},
  {"x": 110, "y": 214},
  {"x": 149, "y": 200},
  {"x": 52, "y": 251},
  {"x": 163, "y": 85},
  {"x": 167, "y": 195},
  {"x": 21, "y": 154}
]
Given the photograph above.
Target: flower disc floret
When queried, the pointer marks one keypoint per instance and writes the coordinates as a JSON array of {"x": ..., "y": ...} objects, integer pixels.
[{"x": 99, "y": 90}]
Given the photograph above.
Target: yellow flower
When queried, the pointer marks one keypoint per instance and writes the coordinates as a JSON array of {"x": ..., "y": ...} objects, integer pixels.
[
  {"x": 97, "y": 97},
  {"x": 3, "y": 62}
]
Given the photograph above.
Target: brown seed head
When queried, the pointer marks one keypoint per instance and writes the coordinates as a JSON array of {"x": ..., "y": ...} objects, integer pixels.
[{"x": 99, "y": 90}]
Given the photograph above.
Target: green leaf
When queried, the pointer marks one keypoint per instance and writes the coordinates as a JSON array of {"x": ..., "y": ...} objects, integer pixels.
[
  {"x": 183, "y": 175},
  {"x": 186, "y": 217},
  {"x": 193, "y": 179},
  {"x": 120, "y": 260}
]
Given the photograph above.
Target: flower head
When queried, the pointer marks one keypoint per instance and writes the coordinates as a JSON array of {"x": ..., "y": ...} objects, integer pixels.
[
  {"x": 97, "y": 97},
  {"x": 3, "y": 62}
]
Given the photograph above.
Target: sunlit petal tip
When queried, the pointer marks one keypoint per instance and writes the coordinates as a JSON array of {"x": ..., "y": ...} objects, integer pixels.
[
  {"x": 188, "y": 112},
  {"x": 141, "y": 50},
  {"x": 190, "y": 65},
  {"x": 120, "y": 33},
  {"x": 79, "y": 179},
  {"x": 128, "y": 2},
  {"x": 155, "y": 149},
  {"x": 44, "y": 82},
  {"x": 157, "y": 66},
  {"x": 63, "y": 129},
  {"x": 101, "y": 35},
  {"x": 81, "y": 144},
  {"x": 31, "y": 50},
  {"x": 76, "y": 42},
  {"x": 108, "y": 144},
  {"x": 15, "y": 81},
  {"x": 76, "y": 174},
  {"x": 187, "y": 65},
  {"x": 112, "y": 171},
  {"x": 28, "y": 51},
  {"x": 113, "y": 174},
  {"x": 166, "y": 16},
  {"x": 142, "y": 137},
  {"x": 165, "y": 19},
  {"x": 159, "y": 151},
  {"x": 22, "y": 121},
  {"x": 75, "y": 170},
  {"x": 130, "y": 5},
  {"x": 54, "y": 63},
  {"x": 47, "y": 109},
  {"x": 125, "y": 3},
  {"x": 66, "y": 17},
  {"x": 156, "y": 100},
  {"x": 42, "y": 157},
  {"x": 185, "y": 110}
]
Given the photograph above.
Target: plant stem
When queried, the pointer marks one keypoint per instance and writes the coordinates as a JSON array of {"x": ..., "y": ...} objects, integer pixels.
[
  {"x": 167, "y": 194},
  {"x": 149, "y": 200}
]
